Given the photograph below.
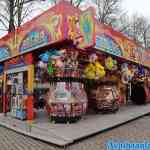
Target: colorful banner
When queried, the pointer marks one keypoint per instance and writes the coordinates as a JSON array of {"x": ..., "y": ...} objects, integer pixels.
[{"x": 115, "y": 43}]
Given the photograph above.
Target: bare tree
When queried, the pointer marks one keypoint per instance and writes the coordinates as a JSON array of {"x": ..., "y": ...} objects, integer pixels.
[
  {"x": 108, "y": 10},
  {"x": 122, "y": 23},
  {"x": 139, "y": 30},
  {"x": 136, "y": 27},
  {"x": 13, "y": 13}
]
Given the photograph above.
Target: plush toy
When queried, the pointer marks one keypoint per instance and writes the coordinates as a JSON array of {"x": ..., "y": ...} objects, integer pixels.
[
  {"x": 99, "y": 69},
  {"x": 125, "y": 78},
  {"x": 59, "y": 63},
  {"x": 51, "y": 59},
  {"x": 71, "y": 64},
  {"x": 44, "y": 57},
  {"x": 141, "y": 71},
  {"x": 115, "y": 67},
  {"x": 90, "y": 71},
  {"x": 114, "y": 62},
  {"x": 50, "y": 68},
  {"x": 41, "y": 64},
  {"x": 93, "y": 58},
  {"x": 54, "y": 54},
  {"x": 127, "y": 74},
  {"x": 134, "y": 70},
  {"x": 109, "y": 63},
  {"x": 94, "y": 70}
]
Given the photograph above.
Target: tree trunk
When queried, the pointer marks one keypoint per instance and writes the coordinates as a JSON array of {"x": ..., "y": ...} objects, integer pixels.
[
  {"x": 11, "y": 12},
  {"x": 19, "y": 12}
]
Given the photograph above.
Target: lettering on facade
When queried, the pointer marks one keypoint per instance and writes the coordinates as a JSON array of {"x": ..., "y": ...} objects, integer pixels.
[{"x": 132, "y": 52}]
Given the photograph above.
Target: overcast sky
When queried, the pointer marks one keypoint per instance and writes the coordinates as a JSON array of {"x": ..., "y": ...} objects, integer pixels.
[
  {"x": 131, "y": 6},
  {"x": 140, "y": 6}
]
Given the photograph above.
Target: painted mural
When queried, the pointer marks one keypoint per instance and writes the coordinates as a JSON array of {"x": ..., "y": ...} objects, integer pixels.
[
  {"x": 4, "y": 52},
  {"x": 81, "y": 28},
  {"x": 107, "y": 44},
  {"x": 131, "y": 51},
  {"x": 34, "y": 39},
  {"x": 139, "y": 54},
  {"x": 73, "y": 27},
  {"x": 39, "y": 32},
  {"x": 87, "y": 25},
  {"x": 146, "y": 58},
  {"x": 117, "y": 44},
  {"x": 51, "y": 27},
  {"x": 43, "y": 35},
  {"x": 55, "y": 27}
]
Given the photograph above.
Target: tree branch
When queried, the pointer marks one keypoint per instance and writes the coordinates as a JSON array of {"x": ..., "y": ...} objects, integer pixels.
[
  {"x": 4, "y": 17},
  {"x": 3, "y": 23}
]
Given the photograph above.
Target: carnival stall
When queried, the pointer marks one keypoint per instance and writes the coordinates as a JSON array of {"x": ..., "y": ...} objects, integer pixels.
[{"x": 66, "y": 60}]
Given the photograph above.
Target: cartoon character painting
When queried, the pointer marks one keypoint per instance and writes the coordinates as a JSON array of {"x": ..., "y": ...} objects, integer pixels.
[{"x": 54, "y": 26}]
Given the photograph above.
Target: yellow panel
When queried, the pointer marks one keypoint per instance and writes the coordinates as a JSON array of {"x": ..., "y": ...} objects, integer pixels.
[{"x": 30, "y": 78}]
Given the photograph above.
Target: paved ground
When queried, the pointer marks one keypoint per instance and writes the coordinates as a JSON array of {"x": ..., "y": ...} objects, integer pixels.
[
  {"x": 64, "y": 134},
  {"x": 135, "y": 131}
]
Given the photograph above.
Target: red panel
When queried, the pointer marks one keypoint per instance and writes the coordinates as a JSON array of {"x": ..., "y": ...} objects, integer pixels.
[{"x": 30, "y": 113}]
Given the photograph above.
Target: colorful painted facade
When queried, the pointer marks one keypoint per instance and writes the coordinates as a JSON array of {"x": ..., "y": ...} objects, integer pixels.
[
  {"x": 116, "y": 43},
  {"x": 66, "y": 22},
  {"x": 47, "y": 29}
]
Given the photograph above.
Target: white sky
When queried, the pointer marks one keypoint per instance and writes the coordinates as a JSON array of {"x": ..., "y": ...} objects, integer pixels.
[{"x": 139, "y": 6}]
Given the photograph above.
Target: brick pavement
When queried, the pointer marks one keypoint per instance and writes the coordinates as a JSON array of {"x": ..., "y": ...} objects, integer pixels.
[
  {"x": 10, "y": 140},
  {"x": 135, "y": 131}
]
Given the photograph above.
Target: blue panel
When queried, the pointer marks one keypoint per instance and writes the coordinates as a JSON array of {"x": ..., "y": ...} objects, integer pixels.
[
  {"x": 4, "y": 53},
  {"x": 34, "y": 39},
  {"x": 107, "y": 44}
]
